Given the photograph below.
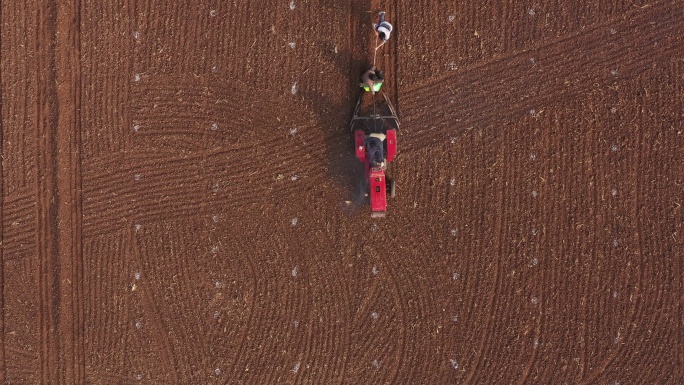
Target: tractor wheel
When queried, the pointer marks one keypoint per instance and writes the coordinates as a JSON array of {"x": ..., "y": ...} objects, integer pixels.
[{"x": 392, "y": 188}]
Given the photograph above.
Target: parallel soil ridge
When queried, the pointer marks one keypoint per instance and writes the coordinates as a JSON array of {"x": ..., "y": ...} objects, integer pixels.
[{"x": 181, "y": 203}]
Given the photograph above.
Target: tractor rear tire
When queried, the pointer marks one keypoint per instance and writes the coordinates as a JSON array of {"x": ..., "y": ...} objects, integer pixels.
[{"x": 392, "y": 188}]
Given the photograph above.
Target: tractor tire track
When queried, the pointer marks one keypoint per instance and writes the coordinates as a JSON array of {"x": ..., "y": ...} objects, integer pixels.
[
  {"x": 19, "y": 293},
  {"x": 46, "y": 185},
  {"x": 477, "y": 373},
  {"x": 119, "y": 189},
  {"x": 653, "y": 151},
  {"x": 293, "y": 155},
  {"x": 58, "y": 186},
  {"x": 3, "y": 364},
  {"x": 17, "y": 220},
  {"x": 489, "y": 91},
  {"x": 538, "y": 248},
  {"x": 635, "y": 308},
  {"x": 106, "y": 48},
  {"x": 159, "y": 320},
  {"x": 69, "y": 191}
]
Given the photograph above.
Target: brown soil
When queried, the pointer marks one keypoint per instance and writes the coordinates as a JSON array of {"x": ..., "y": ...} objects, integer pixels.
[{"x": 181, "y": 203}]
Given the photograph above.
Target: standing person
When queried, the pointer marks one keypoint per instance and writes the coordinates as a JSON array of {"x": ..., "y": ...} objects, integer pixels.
[{"x": 383, "y": 28}]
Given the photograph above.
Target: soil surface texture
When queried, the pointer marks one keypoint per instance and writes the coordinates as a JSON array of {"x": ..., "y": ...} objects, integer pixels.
[{"x": 181, "y": 203}]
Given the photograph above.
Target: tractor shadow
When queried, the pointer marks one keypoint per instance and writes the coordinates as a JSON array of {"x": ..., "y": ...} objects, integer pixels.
[
  {"x": 342, "y": 165},
  {"x": 334, "y": 113}
]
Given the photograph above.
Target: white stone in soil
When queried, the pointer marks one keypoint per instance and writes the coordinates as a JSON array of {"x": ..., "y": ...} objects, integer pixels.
[{"x": 454, "y": 363}]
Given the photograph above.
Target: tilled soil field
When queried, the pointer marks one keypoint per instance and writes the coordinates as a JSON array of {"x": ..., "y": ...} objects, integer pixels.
[{"x": 181, "y": 203}]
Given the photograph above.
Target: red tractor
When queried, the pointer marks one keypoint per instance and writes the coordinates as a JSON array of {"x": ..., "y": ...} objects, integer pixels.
[{"x": 375, "y": 138}]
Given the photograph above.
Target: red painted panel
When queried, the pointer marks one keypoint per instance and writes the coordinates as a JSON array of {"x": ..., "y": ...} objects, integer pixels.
[
  {"x": 378, "y": 193},
  {"x": 391, "y": 144}
]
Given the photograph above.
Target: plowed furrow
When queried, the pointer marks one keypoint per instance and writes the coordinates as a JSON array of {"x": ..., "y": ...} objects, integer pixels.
[{"x": 479, "y": 97}]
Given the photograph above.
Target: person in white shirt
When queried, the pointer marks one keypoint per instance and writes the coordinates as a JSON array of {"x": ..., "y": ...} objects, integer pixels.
[{"x": 383, "y": 28}]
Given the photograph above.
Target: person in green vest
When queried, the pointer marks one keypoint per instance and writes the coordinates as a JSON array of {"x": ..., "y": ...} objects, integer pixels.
[{"x": 371, "y": 81}]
